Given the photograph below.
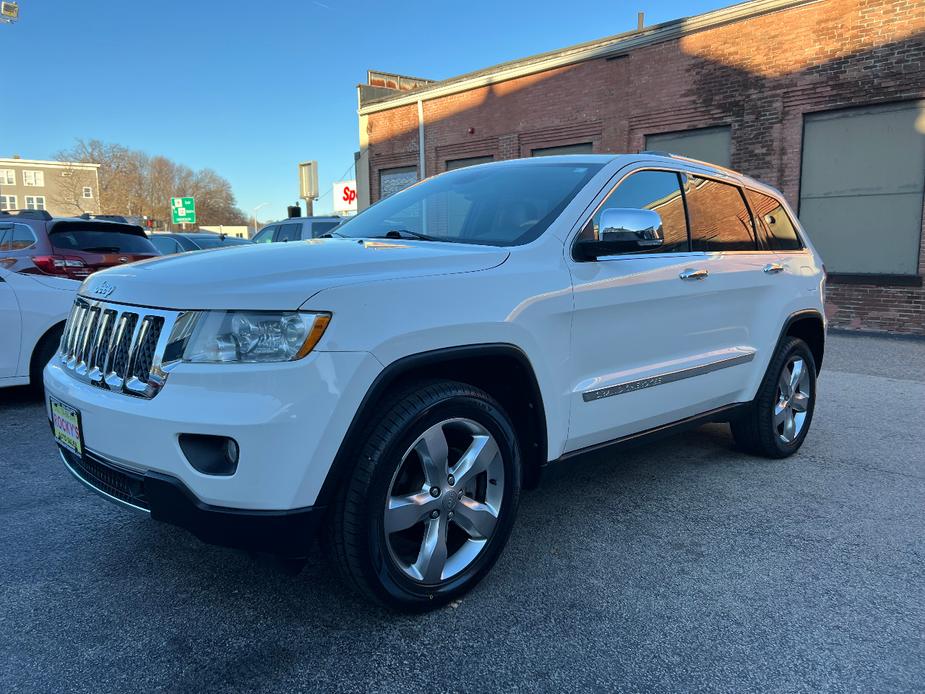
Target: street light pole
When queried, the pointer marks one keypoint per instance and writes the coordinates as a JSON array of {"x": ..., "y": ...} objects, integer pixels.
[{"x": 263, "y": 204}]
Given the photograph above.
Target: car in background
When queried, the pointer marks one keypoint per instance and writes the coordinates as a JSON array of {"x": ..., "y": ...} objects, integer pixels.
[
  {"x": 170, "y": 243},
  {"x": 33, "y": 310},
  {"x": 297, "y": 229},
  {"x": 34, "y": 242}
]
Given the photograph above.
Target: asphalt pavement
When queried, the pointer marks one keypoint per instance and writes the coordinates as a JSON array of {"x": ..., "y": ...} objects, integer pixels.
[{"x": 680, "y": 566}]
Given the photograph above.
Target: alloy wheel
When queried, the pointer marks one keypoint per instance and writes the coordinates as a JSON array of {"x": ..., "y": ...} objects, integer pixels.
[
  {"x": 444, "y": 499},
  {"x": 793, "y": 398}
]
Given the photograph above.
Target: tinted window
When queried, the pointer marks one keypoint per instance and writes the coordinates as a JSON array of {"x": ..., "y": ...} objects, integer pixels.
[
  {"x": 719, "y": 218},
  {"x": 265, "y": 235},
  {"x": 659, "y": 191},
  {"x": 165, "y": 244},
  {"x": 774, "y": 222},
  {"x": 501, "y": 204},
  {"x": 108, "y": 238},
  {"x": 290, "y": 232},
  {"x": 16, "y": 237},
  {"x": 322, "y": 228}
]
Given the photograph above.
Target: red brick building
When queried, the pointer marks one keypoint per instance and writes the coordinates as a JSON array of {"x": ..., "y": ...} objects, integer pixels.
[{"x": 821, "y": 98}]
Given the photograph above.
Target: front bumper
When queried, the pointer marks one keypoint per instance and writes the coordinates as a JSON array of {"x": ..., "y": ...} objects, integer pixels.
[
  {"x": 288, "y": 420},
  {"x": 167, "y": 499}
]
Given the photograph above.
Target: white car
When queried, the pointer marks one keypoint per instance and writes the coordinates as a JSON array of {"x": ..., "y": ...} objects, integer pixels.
[
  {"x": 33, "y": 310},
  {"x": 395, "y": 387}
]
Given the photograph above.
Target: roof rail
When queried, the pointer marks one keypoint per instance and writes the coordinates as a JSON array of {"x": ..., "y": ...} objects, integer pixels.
[
  {"x": 718, "y": 167},
  {"x": 104, "y": 217},
  {"x": 28, "y": 214}
]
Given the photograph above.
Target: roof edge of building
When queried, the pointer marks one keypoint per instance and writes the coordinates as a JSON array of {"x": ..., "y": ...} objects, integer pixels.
[
  {"x": 599, "y": 48},
  {"x": 50, "y": 163}
]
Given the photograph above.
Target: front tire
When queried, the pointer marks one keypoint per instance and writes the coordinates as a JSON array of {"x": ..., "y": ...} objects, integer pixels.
[
  {"x": 432, "y": 499},
  {"x": 775, "y": 423}
]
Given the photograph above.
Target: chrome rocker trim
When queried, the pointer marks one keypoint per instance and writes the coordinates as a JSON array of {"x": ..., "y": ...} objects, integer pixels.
[{"x": 668, "y": 377}]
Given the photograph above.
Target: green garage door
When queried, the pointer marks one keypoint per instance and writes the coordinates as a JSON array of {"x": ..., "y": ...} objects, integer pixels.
[
  {"x": 861, "y": 187},
  {"x": 706, "y": 144}
]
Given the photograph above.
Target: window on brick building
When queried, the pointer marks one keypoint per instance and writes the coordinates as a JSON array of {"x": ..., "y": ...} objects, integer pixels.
[
  {"x": 861, "y": 187},
  {"x": 8, "y": 177},
  {"x": 659, "y": 191},
  {"x": 452, "y": 164},
  {"x": 719, "y": 219},
  {"x": 35, "y": 202},
  {"x": 580, "y": 148},
  {"x": 707, "y": 144},
  {"x": 393, "y": 180},
  {"x": 7, "y": 202}
]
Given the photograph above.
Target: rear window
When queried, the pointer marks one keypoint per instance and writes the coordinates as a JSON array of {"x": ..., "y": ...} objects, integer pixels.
[{"x": 99, "y": 237}]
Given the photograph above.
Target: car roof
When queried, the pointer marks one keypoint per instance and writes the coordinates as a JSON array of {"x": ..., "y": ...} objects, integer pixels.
[{"x": 667, "y": 159}]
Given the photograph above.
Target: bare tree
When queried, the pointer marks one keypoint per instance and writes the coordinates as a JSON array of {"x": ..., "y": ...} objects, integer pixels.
[
  {"x": 69, "y": 193},
  {"x": 134, "y": 183}
]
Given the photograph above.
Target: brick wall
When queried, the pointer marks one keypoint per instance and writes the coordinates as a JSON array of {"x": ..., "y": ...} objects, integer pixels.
[{"x": 759, "y": 76}]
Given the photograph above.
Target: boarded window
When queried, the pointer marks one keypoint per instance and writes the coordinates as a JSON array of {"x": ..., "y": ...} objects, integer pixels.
[
  {"x": 580, "y": 148},
  {"x": 452, "y": 164},
  {"x": 861, "y": 187},
  {"x": 706, "y": 144},
  {"x": 393, "y": 180}
]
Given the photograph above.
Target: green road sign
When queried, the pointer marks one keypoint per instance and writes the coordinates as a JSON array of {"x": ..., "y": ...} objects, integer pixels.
[{"x": 183, "y": 210}]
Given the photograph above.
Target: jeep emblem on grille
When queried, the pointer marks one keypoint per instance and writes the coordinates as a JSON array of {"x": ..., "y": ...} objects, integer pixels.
[{"x": 104, "y": 289}]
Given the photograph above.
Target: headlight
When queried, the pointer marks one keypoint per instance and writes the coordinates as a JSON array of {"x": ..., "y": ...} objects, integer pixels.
[{"x": 245, "y": 336}]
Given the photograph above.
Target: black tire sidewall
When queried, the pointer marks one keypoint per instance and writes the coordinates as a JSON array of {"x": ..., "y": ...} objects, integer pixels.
[{"x": 383, "y": 575}]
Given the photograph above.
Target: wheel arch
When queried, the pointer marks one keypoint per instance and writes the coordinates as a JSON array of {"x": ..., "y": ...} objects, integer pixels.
[
  {"x": 52, "y": 333},
  {"x": 809, "y": 326},
  {"x": 502, "y": 370}
]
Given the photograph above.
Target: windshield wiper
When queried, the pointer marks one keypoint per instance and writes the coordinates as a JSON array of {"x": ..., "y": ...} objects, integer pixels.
[
  {"x": 331, "y": 235},
  {"x": 406, "y": 234}
]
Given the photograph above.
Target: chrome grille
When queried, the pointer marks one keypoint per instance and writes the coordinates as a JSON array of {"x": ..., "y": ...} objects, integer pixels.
[{"x": 116, "y": 347}]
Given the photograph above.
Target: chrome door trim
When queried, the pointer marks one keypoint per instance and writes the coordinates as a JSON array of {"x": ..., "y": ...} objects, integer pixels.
[{"x": 667, "y": 377}]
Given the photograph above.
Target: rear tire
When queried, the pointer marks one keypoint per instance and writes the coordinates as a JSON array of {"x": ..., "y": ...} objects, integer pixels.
[
  {"x": 431, "y": 501},
  {"x": 775, "y": 423}
]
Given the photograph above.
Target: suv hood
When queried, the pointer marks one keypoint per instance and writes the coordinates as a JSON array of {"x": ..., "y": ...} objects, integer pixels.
[{"x": 280, "y": 276}]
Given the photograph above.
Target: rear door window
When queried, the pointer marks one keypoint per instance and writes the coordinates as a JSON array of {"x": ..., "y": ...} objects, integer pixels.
[
  {"x": 719, "y": 218},
  {"x": 165, "y": 244},
  {"x": 265, "y": 235},
  {"x": 91, "y": 237},
  {"x": 773, "y": 222},
  {"x": 322, "y": 228},
  {"x": 289, "y": 232}
]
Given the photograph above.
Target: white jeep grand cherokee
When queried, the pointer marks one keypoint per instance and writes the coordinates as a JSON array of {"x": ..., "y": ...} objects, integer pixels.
[{"x": 392, "y": 388}]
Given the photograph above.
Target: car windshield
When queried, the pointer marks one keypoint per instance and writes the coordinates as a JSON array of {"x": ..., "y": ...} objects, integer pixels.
[
  {"x": 210, "y": 242},
  {"x": 497, "y": 205},
  {"x": 100, "y": 238}
]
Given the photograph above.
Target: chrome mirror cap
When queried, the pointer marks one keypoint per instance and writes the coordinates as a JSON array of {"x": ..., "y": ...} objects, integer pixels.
[{"x": 640, "y": 227}]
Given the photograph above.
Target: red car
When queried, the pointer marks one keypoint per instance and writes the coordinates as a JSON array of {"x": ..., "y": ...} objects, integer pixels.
[{"x": 32, "y": 241}]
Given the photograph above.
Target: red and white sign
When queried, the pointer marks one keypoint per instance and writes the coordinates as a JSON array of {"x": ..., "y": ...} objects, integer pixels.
[{"x": 345, "y": 196}]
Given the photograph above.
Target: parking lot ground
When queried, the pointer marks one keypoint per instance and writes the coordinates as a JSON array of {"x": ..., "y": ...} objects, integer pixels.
[{"x": 681, "y": 566}]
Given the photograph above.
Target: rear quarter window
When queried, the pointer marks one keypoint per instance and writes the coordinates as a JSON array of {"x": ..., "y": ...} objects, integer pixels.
[{"x": 773, "y": 222}]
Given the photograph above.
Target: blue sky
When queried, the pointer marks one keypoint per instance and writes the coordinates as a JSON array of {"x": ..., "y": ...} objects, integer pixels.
[{"x": 249, "y": 89}]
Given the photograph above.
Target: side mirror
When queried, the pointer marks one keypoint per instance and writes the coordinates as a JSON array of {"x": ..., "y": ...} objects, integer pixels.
[{"x": 622, "y": 230}]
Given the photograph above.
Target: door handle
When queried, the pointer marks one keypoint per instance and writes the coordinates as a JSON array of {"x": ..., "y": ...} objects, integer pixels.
[
  {"x": 692, "y": 274},
  {"x": 773, "y": 268}
]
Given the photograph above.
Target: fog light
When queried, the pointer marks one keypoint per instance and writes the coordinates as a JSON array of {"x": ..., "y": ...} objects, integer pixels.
[
  {"x": 231, "y": 452},
  {"x": 210, "y": 455}
]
